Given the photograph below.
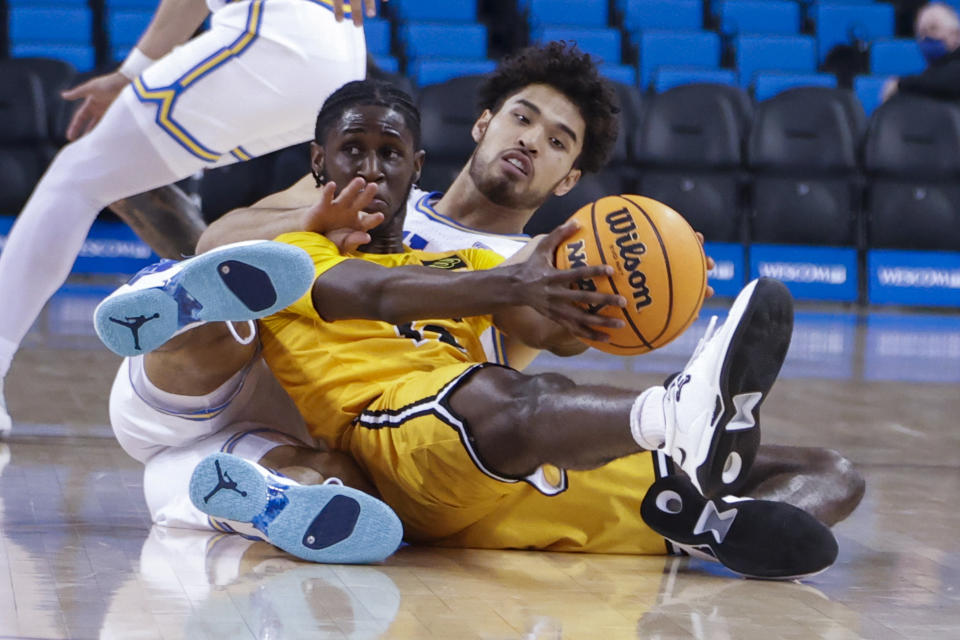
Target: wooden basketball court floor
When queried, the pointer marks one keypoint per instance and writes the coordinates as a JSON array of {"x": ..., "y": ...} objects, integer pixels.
[{"x": 79, "y": 559}]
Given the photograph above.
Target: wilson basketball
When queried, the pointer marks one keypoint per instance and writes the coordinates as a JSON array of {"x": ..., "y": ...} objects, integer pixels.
[{"x": 659, "y": 267}]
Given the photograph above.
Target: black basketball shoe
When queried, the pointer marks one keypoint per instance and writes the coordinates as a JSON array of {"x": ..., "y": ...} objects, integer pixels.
[{"x": 755, "y": 538}]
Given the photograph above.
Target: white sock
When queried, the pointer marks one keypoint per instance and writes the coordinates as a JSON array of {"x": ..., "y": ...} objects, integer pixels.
[{"x": 647, "y": 423}]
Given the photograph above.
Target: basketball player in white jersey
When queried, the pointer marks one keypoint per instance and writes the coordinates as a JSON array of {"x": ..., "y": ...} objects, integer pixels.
[
  {"x": 468, "y": 215},
  {"x": 249, "y": 85}
]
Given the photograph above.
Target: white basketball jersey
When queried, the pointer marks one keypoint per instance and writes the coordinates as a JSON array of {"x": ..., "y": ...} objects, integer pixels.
[{"x": 427, "y": 230}]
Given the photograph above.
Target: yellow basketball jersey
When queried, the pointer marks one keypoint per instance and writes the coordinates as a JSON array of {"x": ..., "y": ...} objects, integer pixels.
[{"x": 333, "y": 370}]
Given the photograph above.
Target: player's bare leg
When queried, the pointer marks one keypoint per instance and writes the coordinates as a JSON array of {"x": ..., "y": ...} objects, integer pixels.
[
  {"x": 165, "y": 218},
  {"x": 820, "y": 481},
  {"x": 198, "y": 361}
]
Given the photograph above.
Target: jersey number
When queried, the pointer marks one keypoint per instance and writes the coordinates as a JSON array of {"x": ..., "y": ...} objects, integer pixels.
[{"x": 407, "y": 330}]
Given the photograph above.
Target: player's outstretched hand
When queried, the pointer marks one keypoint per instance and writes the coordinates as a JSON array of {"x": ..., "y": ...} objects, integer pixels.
[
  {"x": 550, "y": 291},
  {"x": 369, "y": 8},
  {"x": 97, "y": 94},
  {"x": 341, "y": 217}
]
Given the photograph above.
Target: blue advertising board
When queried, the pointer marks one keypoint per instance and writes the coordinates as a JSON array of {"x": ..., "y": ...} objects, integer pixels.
[
  {"x": 811, "y": 273},
  {"x": 924, "y": 278},
  {"x": 110, "y": 248},
  {"x": 727, "y": 276}
]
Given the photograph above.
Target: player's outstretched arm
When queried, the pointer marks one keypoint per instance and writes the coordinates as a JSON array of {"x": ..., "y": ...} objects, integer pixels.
[
  {"x": 355, "y": 289},
  {"x": 301, "y": 207},
  {"x": 172, "y": 24}
]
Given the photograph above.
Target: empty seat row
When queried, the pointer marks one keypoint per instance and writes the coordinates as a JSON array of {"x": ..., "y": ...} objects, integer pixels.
[{"x": 803, "y": 167}]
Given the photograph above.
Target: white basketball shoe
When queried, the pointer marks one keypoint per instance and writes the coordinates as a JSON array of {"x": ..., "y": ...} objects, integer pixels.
[{"x": 711, "y": 408}]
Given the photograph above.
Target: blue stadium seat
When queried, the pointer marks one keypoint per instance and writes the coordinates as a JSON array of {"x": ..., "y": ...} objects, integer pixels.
[
  {"x": 896, "y": 58},
  {"x": 667, "y": 78},
  {"x": 677, "y": 48},
  {"x": 444, "y": 40},
  {"x": 841, "y": 23},
  {"x": 79, "y": 55},
  {"x": 583, "y": 13},
  {"x": 600, "y": 42},
  {"x": 130, "y": 4},
  {"x": 768, "y": 84},
  {"x": 67, "y": 25},
  {"x": 429, "y": 10},
  {"x": 663, "y": 14},
  {"x": 623, "y": 73},
  {"x": 758, "y": 16},
  {"x": 377, "y": 32},
  {"x": 774, "y": 53},
  {"x": 868, "y": 90},
  {"x": 427, "y": 71},
  {"x": 124, "y": 28},
  {"x": 387, "y": 63}
]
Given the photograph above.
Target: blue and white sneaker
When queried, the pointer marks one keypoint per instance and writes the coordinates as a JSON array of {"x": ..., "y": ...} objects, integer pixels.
[
  {"x": 236, "y": 282},
  {"x": 327, "y": 523},
  {"x": 712, "y": 407}
]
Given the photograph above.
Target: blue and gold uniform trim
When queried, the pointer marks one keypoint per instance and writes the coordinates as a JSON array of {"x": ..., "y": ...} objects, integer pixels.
[
  {"x": 499, "y": 346},
  {"x": 166, "y": 97},
  {"x": 423, "y": 206},
  {"x": 241, "y": 154}
]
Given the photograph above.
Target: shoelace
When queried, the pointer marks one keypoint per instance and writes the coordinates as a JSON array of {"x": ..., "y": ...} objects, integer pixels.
[
  {"x": 707, "y": 335},
  {"x": 236, "y": 336}
]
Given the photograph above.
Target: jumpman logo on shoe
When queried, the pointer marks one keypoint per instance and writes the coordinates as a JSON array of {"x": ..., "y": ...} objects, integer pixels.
[
  {"x": 681, "y": 380},
  {"x": 134, "y": 325},
  {"x": 223, "y": 484}
]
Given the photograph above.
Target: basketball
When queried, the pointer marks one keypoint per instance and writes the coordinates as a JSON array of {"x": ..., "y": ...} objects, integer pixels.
[{"x": 659, "y": 267}]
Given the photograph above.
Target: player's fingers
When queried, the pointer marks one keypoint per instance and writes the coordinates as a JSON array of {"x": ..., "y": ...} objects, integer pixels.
[
  {"x": 349, "y": 193},
  {"x": 356, "y": 13},
  {"x": 338, "y": 10},
  {"x": 708, "y": 292},
  {"x": 558, "y": 235},
  {"x": 363, "y": 197},
  {"x": 368, "y": 221},
  {"x": 354, "y": 240},
  {"x": 581, "y": 273},
  {"x": 79, "y": 91},
  {"x": 371, "y": 7},
  {"x": 699, "y": 237},
  {"x": 592, "y": 298},
  {"x": 79, "y": 120}
]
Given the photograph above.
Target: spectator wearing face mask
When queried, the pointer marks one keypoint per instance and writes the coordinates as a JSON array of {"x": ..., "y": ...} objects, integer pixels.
[{"x": 937, "y": 31}]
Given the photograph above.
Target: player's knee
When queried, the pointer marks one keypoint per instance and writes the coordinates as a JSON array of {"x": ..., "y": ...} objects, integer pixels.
[
  {"x": 507, "y": 434},
  {"x": 845, "y": 477}
]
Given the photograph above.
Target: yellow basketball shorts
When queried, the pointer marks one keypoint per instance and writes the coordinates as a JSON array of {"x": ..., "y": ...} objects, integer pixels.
[{"x": 420, "y": 455}]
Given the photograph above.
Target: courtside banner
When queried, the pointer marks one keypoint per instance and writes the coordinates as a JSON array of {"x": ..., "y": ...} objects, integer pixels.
[
  {"x": 110, "y": 248},
  {"x": 811, "y": 273},
  {"x": 727, "y": 277},
  {"x": 923, "y": 278}
]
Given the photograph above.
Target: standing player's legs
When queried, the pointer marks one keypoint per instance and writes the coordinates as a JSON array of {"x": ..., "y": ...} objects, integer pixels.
[{"x": 250, "y": 85}]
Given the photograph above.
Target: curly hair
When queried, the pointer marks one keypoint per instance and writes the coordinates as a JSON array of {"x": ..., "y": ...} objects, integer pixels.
[{"x": 564, "y": 67}]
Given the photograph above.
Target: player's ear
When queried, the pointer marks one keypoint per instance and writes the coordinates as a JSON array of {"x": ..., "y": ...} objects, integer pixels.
[
  {"x": 569, "y": 182},
  {"x": 480, "y": 126},
  {"x": 316, "y": 159},
  {"x": 418, "y": 158}
]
